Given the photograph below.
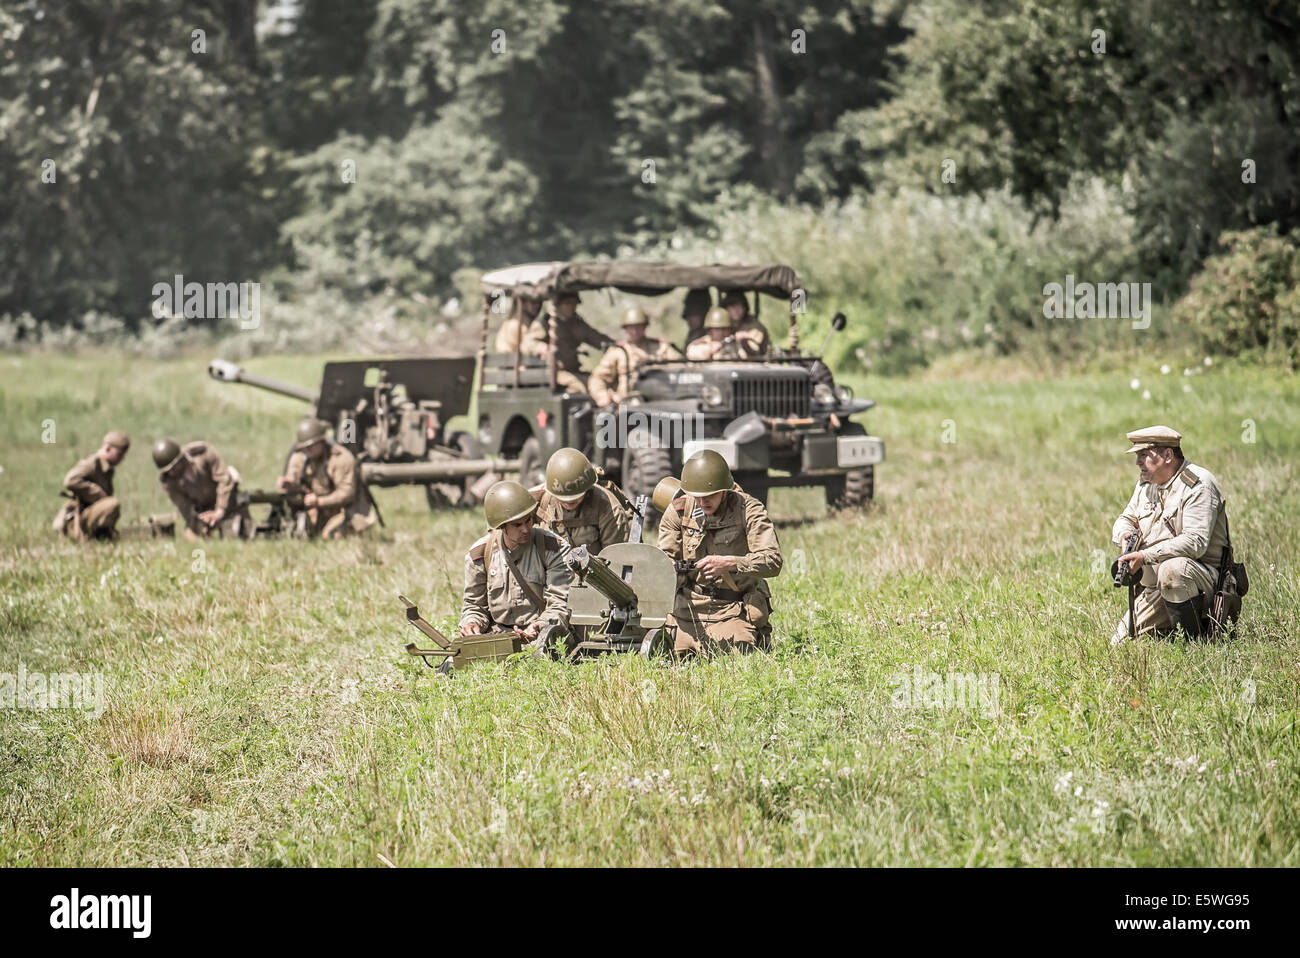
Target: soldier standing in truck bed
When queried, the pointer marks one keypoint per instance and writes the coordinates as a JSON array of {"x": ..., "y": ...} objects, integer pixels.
[
  {"x": 729, "y": 549},
  {"x": 571, "y": 331},
  {"x": 579, "y": 508}
]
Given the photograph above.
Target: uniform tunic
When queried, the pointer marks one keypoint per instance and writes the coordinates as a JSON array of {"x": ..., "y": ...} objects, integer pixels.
[
  {"x": 706, "y": 348},
  {"x": 599, "y": 520},
  {"x": 91, "y": 483},
  {"x": 1184, "y": 527},
  {"x": 494, "y": 599},
  {"x": 569, "y": 335},
  {"x": 735, "y": 611},
  {"x": 611, "y": 379},
  {"x": 752, "y": 335},
  {"x": 342, "y": 504}
]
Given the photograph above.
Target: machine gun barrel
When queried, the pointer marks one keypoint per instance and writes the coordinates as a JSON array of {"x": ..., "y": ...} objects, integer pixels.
[
  {"x": 228, "y": 372},
  {"x": 597, "y": 573}
]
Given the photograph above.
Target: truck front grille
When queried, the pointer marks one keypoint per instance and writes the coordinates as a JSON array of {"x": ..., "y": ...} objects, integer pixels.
[{"x": 776, "y": 397}]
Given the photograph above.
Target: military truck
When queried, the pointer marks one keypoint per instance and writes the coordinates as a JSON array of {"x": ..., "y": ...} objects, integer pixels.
[
  {"x": 778, "y": 421},
  {"x": 392, "y": 414}
]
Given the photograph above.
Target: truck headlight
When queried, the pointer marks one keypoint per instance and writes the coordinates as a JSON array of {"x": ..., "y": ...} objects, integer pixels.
[
  {"x": 711, "y": 395},
  {"x": 823, "y": 395},
  {"x": 844, "y": 394}
]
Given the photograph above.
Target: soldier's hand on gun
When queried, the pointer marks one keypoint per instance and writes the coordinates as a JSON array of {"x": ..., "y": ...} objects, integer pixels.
[
  {"x": 528, "y": 633},
  {"x": 1134, "y": 560},
  {"x": 471, "y": 628},
  {"x": 212, "y": 516},
  {"x": 283, "y": 483},
  {"x": 309, "y": 500},
  {"x": 713, "y": 568}
]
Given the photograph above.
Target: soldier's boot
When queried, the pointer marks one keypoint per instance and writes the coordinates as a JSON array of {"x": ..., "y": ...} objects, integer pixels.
[{"x": 1187, "y": 616}]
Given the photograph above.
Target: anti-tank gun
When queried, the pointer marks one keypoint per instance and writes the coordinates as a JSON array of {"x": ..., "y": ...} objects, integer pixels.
[{"x": 392, "y": 415}]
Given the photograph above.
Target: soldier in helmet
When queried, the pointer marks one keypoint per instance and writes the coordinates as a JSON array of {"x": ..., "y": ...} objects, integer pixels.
[
  {"x": 1178, "y": 512},
  {"x": 336, "y": 502},
  {"x": 576, "y": 506},
  {"x": 92, "y": 510},
  {"x": 612, "y": 378},
  {"x": 694, "y": 309},
  {"x": 203, "y": 488},
  {"x": 725, "y": 540},
  {"x": 571, "y": 331},
  {"x": 666, "y": 490},
  {"x": 721, "y": 344},
  {"x": 511, "y": 333},
  {"x": 749, "y": 332},
  {"x": 515, "y": 576}
]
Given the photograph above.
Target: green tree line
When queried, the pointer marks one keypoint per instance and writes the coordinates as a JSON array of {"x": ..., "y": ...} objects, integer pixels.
[{"x": 377, "y": 146}]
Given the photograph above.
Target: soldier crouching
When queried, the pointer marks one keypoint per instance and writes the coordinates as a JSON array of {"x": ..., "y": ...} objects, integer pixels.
[
  {"x": 203, "y": 489},
  {"x": 725, "y": 543},
  {"x": 1179, "y": 515},
  {"x": 515, "y": 577},
  {"x": 92, "y": 510},
  {"x": 325, "y": 473},
  {"x": 575, "y": 505}
]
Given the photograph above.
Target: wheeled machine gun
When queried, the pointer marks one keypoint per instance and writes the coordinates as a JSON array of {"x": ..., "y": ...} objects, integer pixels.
[{"x": 461, "y": 650}]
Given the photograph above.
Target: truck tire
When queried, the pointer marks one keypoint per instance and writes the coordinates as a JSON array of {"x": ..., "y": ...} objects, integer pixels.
[
  {"x": 532, "y": 470},
  {"x": 643, "y": 468},
  {"x": 853, "y": 490}
]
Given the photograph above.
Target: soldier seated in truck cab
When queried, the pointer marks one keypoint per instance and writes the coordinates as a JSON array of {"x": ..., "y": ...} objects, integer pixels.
[
  {"x": 747, "y": 330},
  {"x": 721, "y": 343},
  {"x": 611, "y": 381}
]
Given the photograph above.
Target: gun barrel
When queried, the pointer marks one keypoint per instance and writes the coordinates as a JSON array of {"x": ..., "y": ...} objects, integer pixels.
[
  {"x": 228, "y": 372},
  {"x": 433, "y": 470},
  {"x": 596, "y": 572}
]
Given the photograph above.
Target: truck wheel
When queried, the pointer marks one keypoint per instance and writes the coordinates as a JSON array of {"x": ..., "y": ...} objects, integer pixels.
[
  {"x": 643, "y": 468},
  {"x": 532, "y": 471},
  {"x": 853, "y": 490}
]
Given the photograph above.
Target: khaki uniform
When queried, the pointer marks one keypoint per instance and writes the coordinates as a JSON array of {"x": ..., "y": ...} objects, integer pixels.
[
  {"x": 692, "y": 335},
  {"x": 706, "y": 348},
  {"x": 569, "y": 335},
  {"x": 752, "y": 335},
  {"x": 93, "y": 509},
  {"x": 599, "y": 520},
  {"x": 344, "y": 505},
  {"x": 1184, "y": 527},
  {"x": 611, "y": 380},
  {"x": 706, "y": 615},
  {"x": 208, "y": 483},
  {"x": 494, "y": 600}
]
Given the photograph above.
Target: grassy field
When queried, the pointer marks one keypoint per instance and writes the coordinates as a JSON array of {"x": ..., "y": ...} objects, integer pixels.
[{"x": 260, "y": 709}]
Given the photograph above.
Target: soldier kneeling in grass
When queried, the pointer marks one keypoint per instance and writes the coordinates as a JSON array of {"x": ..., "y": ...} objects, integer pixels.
[
  {"x": 336, "y": 501},
  {"x": 92, "y": 510},
  {"x": 726, "y": 547},
  {"x": 1179, "y": 517},
  {"x": 515, "y": 576}
]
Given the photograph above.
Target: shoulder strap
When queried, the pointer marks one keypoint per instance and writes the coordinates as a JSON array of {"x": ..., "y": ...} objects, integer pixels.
[{"x": 533, "y": 597}]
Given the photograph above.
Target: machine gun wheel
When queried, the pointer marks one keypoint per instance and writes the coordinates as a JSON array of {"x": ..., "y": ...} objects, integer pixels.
[{"x": 659, "y": 641}]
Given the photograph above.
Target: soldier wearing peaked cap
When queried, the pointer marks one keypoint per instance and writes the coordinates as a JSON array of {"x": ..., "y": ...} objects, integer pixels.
[
  {"x": 1178, "y": 511},
  {"x": 92, "y": 510}
]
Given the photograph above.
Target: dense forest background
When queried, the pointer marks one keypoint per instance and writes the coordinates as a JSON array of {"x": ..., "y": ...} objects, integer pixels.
[{"x": 930, "y": 163}]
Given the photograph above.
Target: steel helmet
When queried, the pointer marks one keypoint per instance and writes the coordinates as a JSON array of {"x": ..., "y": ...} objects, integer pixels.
[
  {"x": 717, "y": 318},
  {"x": 165, "y": 453},
  {"x": 310, "y": 430},
  {"x": 665, "y": 492},
  {"x": 706, "y": 473},
  {"x": 507, "y": 501},
  {"x": 635, "y": 316},
  {"x": 569, "y": 474}
]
